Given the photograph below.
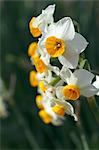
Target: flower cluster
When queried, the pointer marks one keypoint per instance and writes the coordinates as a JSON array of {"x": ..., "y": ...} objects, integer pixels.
[{"x": 55, "y": 57}]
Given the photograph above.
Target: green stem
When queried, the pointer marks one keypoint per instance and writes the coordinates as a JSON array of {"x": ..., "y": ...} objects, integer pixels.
[{"x": 55, "y": 81}]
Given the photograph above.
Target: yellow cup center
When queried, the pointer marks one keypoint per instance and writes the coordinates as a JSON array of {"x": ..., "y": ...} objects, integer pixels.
[
  {"x": 59, "y": 110},
  {"x": 39, "y": 101},
  {"x": 71, "y": 92},
  {"x": 33, "y": 79},
  {"x": 42, "y": 86},
  {"x": 32, "y": 49},
  {"x": 54, "y": 46},
  {"x": 34, "y": 31},
  {"x": 45, "y": 116},
  {"x": 39, "y": 64}
]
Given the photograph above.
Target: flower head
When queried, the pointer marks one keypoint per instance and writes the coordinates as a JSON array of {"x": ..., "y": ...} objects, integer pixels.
[
  {"x": 37, "y": 24},
  {"x": 54, "y": 109},
  {"x": 56, "y": 52},
  {"x": 78, "y": 83},
  {"x": 60, "y": 40}
]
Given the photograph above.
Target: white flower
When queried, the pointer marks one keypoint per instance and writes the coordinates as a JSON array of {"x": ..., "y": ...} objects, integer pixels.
[
  {"x": 78, "y": 83},
  {"x": 38, "y": 24},
  {"x": 96, "y": 84},
  {"x": 55, "y": 109},
  {"x": 60, "y": 40}
]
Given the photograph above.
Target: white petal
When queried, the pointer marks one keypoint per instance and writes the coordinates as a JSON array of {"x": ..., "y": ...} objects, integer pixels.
[
  {"x": 44, "y": 18},
  {"x": 55, "y": 69},
  {"x": 59, "y": 92},
  {"x": 88, "y": 91},
  {"x": 63, "y": 29},
  {"x": 49, "y": 10},
  {"x": 65, "y": 25},
  {"x": 45, "y": 58},
  {"x": 48, "y": 18},
  {"x": 39, "y": 20},
  {"x": 78, "y": 44},
  {"x": 67, "y": 76},
  {"x": 96, "y": 84},
  {"x": 69, "y": 59},
  {"x": 47, "y": 106},
  {"x": 84, "y": 77},
  {"x": 68, "y": 108},
  {"x": 65, "y": 73}
]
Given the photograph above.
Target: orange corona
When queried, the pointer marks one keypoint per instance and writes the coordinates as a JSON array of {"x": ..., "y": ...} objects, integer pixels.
[
  {"x": 42, "y": 86},
  {"x": 59, "y": 110},
  {"x": 39, "y": 64},
  {"x": 32, "y": 49},
  {"x": 54, "y": 46},
  {"x": 45, "y": 116},
  {"x": 71, "y": 92},
  {"x": 34, "y": 31},
  {"x": 33, "y": 79},
  {"x": 39, "y": 101}
]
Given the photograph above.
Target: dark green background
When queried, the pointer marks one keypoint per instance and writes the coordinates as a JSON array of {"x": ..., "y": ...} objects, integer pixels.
[{"x": 23, "y": 129}]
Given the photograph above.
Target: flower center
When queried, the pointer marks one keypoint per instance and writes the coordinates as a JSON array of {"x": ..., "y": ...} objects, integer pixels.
[
  {"x": 39, "y": 64},
  {"x": 54, "y": 46},
  {"x": 45, "y": 116},
  {"x": 59, "y": 110},
  {"x": 34, "y": 31},
  {"x": 71, "y": 92},
  {"x": 33, "y": 79}
]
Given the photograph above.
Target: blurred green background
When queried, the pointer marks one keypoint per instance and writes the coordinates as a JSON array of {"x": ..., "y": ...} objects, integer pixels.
[{"x": 22, "y": 128}]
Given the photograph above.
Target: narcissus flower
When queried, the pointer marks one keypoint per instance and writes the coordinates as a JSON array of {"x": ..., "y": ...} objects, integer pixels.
[
  {"x": 60, "y": 40},
  {"x": 54, "y": 109},
  {"x": 56, "y": 83},
  {"x": 78, "y": 83},
  {"x": 37, "y": 24}
]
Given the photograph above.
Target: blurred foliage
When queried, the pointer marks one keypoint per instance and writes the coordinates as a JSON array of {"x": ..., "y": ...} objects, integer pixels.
[{"x": 23, "y": 129}]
